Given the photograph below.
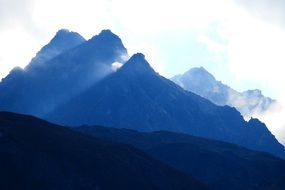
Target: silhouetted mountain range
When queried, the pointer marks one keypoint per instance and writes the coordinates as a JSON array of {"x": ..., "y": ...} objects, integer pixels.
[
  {"x": 71, "y": 65},
  {"x": 218, "y": 164},
  {"x": 79, "y": 86},
  {"x": 35, "y": 154},
  {"x": 203, "y": 83},
  {"x": 136, "y": 97}
]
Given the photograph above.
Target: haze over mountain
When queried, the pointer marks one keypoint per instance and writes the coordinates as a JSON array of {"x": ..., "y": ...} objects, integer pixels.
[
  {"x": 35, "y": 154},
  {"x": 61, "y": 70},
  {"x": 203, "y": 83},
  {"x": 80, "y": 86},
  {"x": 218, "y": 164},
  {"x": 62, "y": 41},
  {"x": 137, "y": 97}
]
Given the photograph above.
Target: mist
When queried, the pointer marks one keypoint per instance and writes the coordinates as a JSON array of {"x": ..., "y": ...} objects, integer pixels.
[{"x": 273, "y": 117}]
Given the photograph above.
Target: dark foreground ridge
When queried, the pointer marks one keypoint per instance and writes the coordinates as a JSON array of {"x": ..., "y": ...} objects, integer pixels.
[
  {"x": 220, "y": 165},
  {"x": 35, "y": 154}
]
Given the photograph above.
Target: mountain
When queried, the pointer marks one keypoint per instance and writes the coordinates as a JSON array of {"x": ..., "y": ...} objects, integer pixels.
[
  {"x": 62, "y": 41},
  {"x": 136, "y": 97},
  {"x": 201, "y": 82},
  {"x": 35, "y": 154},
  {"x": 61, "y": 70},
  {"x": 220, "y": 165}
]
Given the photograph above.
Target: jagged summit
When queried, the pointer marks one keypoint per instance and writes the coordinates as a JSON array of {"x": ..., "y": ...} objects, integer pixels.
[
  {"x": 63, "y": 68},
  {"x": 255, "y": 92},
  {"x": 106, "y": 34},
  {"x": 64, "y": 36},
  {"x": 201, "y": 69},
  {"x": 138, "y": 58},
  {"x": 62, "y": 41},
  {"x": 137, "y": 64},
  {"x": 63, "y": 31},
  {"x": 200, "y": 72},
  {"x": 109, "y": 42},
  {"x": 201, "y": 82}
]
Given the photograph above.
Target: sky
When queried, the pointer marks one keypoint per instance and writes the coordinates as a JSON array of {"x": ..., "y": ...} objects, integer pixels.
[{"x": 241, "y": 42}]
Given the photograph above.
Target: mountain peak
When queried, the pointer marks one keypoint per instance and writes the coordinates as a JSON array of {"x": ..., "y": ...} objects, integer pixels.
[
  {"x": 106, "y": 34},
  {"x": 137, "y": 64},
  {"x": 110, "y": 41},
  {"x": 255, "y": 92},
  {"x": 200, "y": 71},
  {"x": 64, "y": 35},
  {"x": 62, "y": 41},
  {"x": 138, "y": 57},
  {"x": 63, "y": 31}
]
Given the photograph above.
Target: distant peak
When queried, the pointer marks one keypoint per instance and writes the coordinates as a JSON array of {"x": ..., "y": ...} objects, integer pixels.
[
  {"x": 62, "y": 41},
  {"x": 106, "y": 36},
  {"x": 65, "y": 36},
  {"x": 202, "y": 69},
  {"x": 65, "y": 33},
  {"x": 138, "y": 64},
  {"x": 138, "y": 57},
  {"x": 199, "y": 69},
  {"x": 255, "y": 92},
  {"x": 201, "y": 72},
  {"x": 107, "y": 33}
]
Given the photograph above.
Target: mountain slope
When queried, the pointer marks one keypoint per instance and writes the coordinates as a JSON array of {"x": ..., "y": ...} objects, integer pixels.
[
  {"x": 201, "y": 82},
  {"x": 136, "y": 97},
  {"x": 41, "y": 86},
  {"x": 63, "y": 40},
  {"x": 35, "y": 154},
  {"x": 220, "y": 165}
]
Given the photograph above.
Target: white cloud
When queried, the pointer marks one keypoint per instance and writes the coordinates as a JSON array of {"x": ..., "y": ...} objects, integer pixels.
[
  {"x": 211, "y": 44},
  {"x": 13, "y": 52},
  {"x": 274, "y": 119},
  {"x": 15, "y": 12},
  {"x": 116, "y": 66},
  {"x": 272, "y": 11},
  {"x": 256, "y": 40}
]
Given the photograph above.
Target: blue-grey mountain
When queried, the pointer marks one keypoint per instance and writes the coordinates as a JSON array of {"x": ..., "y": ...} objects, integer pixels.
[
  {"x": 201, "y": 82},
  {"x": 137, "y": 97},
  {"x": 63, "y": 40},
  {"x": 71, "y": 81},
  {"x": 61, "y": 70}
]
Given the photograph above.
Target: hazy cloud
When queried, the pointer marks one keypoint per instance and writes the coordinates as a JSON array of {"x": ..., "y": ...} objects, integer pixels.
[
  {"x": 274, "y": 119},
  {"x": 272, "y": 11},
  {"x": 15, "y": 12}
]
